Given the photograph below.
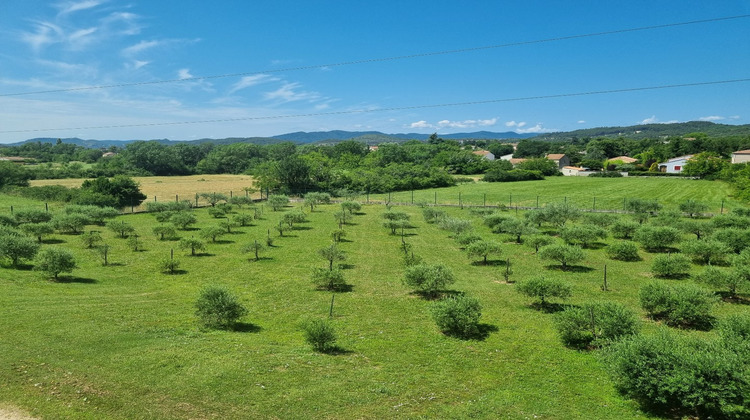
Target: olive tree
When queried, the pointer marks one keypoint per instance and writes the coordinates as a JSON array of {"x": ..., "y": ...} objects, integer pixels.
[
  {"x": 277, "y": 201},
  {"x": 332, "y": 253},
  {"x": 218, "y": 308},
  {"x": 121, "y": 227},
  {"x": 543, "y": 288},
  {"x": 192, "y": 244},
  {"x": 38, "y": 230},
  {"x": 18, "y": 247},
  {"x": 483, "y": 249},
  {"x": 564, "y": 254},
  {"x": 428, "y": 279},
  {"x": 54, "y": 261}
]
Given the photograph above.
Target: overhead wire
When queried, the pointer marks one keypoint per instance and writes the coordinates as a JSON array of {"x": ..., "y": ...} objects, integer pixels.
[
  {"x": 376, "y": 60},
  {"x": 386, "y": 109}
]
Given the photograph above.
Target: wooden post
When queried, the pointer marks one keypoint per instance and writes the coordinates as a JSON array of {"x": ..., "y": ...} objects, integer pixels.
[
  {"x": 196, "y": 199},
  {"x": 436, "y": 198},
  {"x": 11, "y": 209},
  {"x": 510, "y": 200},
  {"x": 330, "y": 311},
  {"x": 46, "y": 207},
  {"x": 594, "y": 208},
  {"x": 230, "y": 194},
  {"x": 484, "y": 199},
  {"x": 154, "y": 199},
  {"x": 605, "y": 278},
  {"x": 412, "y": 196},
  {"x": 177, "y": 198},
  {"x": 722, "y": 206},
  {"x": 537, "y": 201},
  {"x": 460, "y": 203},
  {"x": 171, "y": 254}
]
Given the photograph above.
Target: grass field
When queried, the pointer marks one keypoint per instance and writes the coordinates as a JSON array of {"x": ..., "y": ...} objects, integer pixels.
[{"x": 122, "y": 341}]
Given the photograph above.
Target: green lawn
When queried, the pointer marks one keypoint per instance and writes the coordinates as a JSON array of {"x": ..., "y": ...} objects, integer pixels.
[
  {"x": 583, "y": 192},
  {"x": 122, "y": 341}
]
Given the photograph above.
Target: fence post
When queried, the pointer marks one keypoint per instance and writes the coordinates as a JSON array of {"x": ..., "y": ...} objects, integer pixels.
[
  {"x": 460, "y": 203},
  {"x": 230, "y": 193},
  {"x": 177, "y": 198},
  {"x": 196, "y": 199},
  {"x": 594, "y": 208},
  {"x": 484, "y": 199},
  {"x": 722, "y": 206},
  {"x": 537, "y": 201},
  {"x": 412, "y": 196},
  {"x": 46, "y": 207},
  {"x": 11, "y": 209},
  {"x": 510, "y": 200},
  {"x": 436, "y": 198},
  {"x": 605, "y": 278}
]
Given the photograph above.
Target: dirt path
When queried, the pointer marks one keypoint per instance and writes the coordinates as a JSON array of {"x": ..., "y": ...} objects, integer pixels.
[{"x": 12, "y": 413}]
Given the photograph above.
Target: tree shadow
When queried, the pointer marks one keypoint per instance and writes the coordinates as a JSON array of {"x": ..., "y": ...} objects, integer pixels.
[
  {"x": 347, "y": 266},
  {"x": 302, "y": 228},
  {"x": 337, "y": 351},
  {"x": 595, "y": 245},
  {"x": 223, "y": 241},
  {"x": 481, "y": 333},
  {"x": 252, "y": 259},
  {"x": 551, "y": 307},
  {"x": 21, "y": 267},
  {"x": 247, "y": 327},
  {"x": 75, "y": 279},
  {"x": 736, "y": 299},
  {"x": 115, "y": 264},
  {"x": 53, "y": 241},
  {"x": 175, "y": 272},
  {"x": 344, "y": 288},
  {"x": 489, "y": 263},
  {"x": 570, "y": 268},
  {"x": 678, "y": 276},
  {"x": 436, "y": 295},
  {"x": 202, "y": 254}
]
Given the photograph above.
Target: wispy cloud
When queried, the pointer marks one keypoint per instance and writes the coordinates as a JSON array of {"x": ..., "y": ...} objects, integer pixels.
[
  {"x": 420, "y": 124},
  {"x": 514, "y": 124},
  {"x": 68, "y": 7},
  {"x": 654, "y": 120},
  {"x": 248, "y": 81},
  {"x": 289, "y": 92},
  {"x": 711, "y": 118}
]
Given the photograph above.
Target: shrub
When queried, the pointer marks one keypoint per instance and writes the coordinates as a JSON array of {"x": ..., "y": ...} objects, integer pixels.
[
  {"x": 600, "y": 219},
  {"x": 678, "y": 376},
  {"x": 121, "y": 227},
  {"x": 70, "y": 223},
  {"x": 331, "y": 280},
  {"x": 454, "y": 225},
  {"x": 91, "y": 239},
  {"x": 693, "y": 208},
  {"x": 705, "y": 251},
  {"x": 595, "y": 324},
  {"x": 466, "y": 238},
  {"x": 458, "y": 316},
  {"x": 164, "y": 231},
  {"x": 734, "y": 238},
  {"x": 516, "y": 228},
  {"x": 735, "y": 326},
  {"x": 351, "y": 206},
  {"x": 428, "y": 279},
  {"x": 169, "y": 265},
  {"x": 683, "y": 305},
  {"x": 624, "y": 229},
  {"x": 320, "y": 334},
  {"x": 9, "y": 221},
  {"x": 432, "y": 214},
  {"x": 698, "y": 228},
  {"x": 38, "y": 230},
  {"x": 212, "y": 232},
  {"x": 544, "y": 288},
  {"x": 218, "y": 308},
  {"x": 623, "y": 251},
  {"x": 243, "y": 219},
  {"x": 277, "y": 202},
  {"x": 32, "y": 216},
  {"x": 192, "y": 244},
  {"x": 54, "y": 261},
  {"x": 17, "y": 248},
  {"x": 564, "y": 254},
  {"x": 582, "y": 235},
  {"x": 483, "y": 249},
  {"x": 538, "y": 241},
  {"x": 656, "y": 238},
  {"x": 670, "y": 266}
]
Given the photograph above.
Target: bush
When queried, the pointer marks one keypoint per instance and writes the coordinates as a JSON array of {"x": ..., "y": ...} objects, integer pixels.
[
  {"x": 656, "y": 238},
  {"x": 544, "y": 288},
  {"x": 736, "y": 239},
  {"x": 331, "y": 280},
  {"x": 595, "y": 324},
  {"x": 705, "y": 251},
  {"x": 320, "y": 334},
  {"x": 683, "y": 305},
  {"x": 218, "y": 308},
  {"x": 678, "y": 376},
  {"x": 582, "y": 235},
  {"x": 624, "y": 229},
  {"x": 564, "y": 254},
  {"x": 54, "y": 261},
  {"x": 18, "y": 247},
  {"x": 169, "y": 265},
  {"x": 623, "y": 251},
  {"x": 428, "y": 279},
  {"x": 466, "y": 238},
  {"x": 32, "y": 216},
  {"x": 670, "y": 266},
  {"x": 458, "y": 316},
  {"x": 735, "y": 326},
  {"x": 483, "y": 249},
  {"x": 432, "y": 214}
]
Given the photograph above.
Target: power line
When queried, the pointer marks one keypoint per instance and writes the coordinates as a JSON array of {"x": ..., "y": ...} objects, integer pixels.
[
  {"x": 382, "y": 59},
  {"x": 404, "y": 108}
]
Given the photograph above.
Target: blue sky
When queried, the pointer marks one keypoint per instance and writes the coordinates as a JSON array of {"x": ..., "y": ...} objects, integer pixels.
[{"x": 282, "y": 48}]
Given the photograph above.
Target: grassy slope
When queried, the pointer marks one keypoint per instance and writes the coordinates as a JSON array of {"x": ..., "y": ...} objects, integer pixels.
[{"x": 122, "y": 342}]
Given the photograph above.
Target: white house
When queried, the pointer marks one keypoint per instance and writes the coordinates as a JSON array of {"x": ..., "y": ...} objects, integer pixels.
[
  {"x": 674, "y": 165},
  {"x": 485, "y": 154},
  {"x": 741, "y": 156},
  {"x": 507, "y": 157}
]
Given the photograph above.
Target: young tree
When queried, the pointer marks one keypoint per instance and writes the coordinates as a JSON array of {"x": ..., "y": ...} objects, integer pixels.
[
  {"x": 320, "y": 334},
  {"x": 693, "y": 208},
  {"x": 428, "y": 279},
  {"x": 70, "y": 223},
  {"x": 332, "y": 253},
  {"x": 351, "y": 207},
  {"x": 337, "y": 235},
  {"x": 213, "y": 198},
  {"x": 395, "y": 225},
  {"x": 544, "y": 288},
  {"x": 516, "y": 228},
  {"x": 670, "y": 266},
  {"x": 277, "y": 202},
  {"x": 18, "y": 247},
  {"x": 564, "y": 254},
  {"x": 121, "y": 227},
  {"x": 164, "y": 231},
  {"x": 641, "y": 209},
  {"x": 91, "y": 239},
  {"x": 623, "y": 251},
  {"x": 331, "y": 280},
  {"x": 596, "y": 324},
  {"x": 655, "y": 239},
  {"x": 32, "y": 216},
  {"x": 183, "y": 220},
  {"x": 458, "y": 316},
  {"x": 169, "y": 265},
  {"x": 482, "y": 249},
  {"x": 696, "y": 227},
  {"x": 681, "y": 305},
  {"x": 54, "y": 261},
  {"x": 255, "y": 247},
  {"x": 212, "y": 232},
  {"x": 582, "y": 235},
  {"x": 243, "y": 219},
  {"x": 624, "y": 229},
  {"x": 538, "y": 241},
  {"x": 706, "y": 251},
  {"x": 218, "y": 308},
  {"x": 192, "y": 244},
  {"x": 313, "y": 199},
  {"x": 38, "y": 230}
]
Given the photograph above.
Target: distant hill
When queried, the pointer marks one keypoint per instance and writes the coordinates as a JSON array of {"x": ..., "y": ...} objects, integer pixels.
[
  {"x": 376, "y": 137},
  {"x": 652, "y": 130}
]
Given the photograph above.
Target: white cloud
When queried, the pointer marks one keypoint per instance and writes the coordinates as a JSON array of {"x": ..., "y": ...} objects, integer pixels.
[
  {"x": 535, "y": 129},
  {"x": 711, "y": 118},
  {"x": 420, "y": 124},
  {"x": 467, "y": 123},
  {"x": 651, "y": 120},
  {"x": 515, "y": 124},
  {"x": 184, "y": 74},
  {"x": 75, "y": 6},
  {"x": 140, "y": 47},
  {"x": 248, "y": 81},
  {"x": 288, "y": 93},
  {"x": 581, "y": 122}
]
